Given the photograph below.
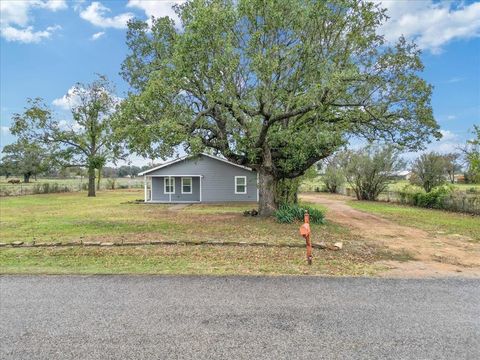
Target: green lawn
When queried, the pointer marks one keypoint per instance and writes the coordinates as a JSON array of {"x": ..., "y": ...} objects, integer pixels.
[
  {"x": 114, "y": 216},
  {"x": 434, "y": 221},
  {"x": 204, "y": 260}
]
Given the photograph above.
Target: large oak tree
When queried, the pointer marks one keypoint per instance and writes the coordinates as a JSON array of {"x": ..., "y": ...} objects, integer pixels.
[{"x": 273, "y": 85}]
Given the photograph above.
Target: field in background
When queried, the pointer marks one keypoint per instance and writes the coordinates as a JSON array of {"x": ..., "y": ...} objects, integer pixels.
[
  {"x": 45, "y": 185},
  {"x": 317, "y": 184}
]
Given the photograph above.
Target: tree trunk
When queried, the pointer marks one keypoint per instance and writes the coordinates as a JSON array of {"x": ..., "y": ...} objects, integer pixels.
[
  {"x": 99, "y": 178},
  {"x": 26, "y": 178},
  {"x": 266, "y": 186},
  {"x": 91, "y": 181}
]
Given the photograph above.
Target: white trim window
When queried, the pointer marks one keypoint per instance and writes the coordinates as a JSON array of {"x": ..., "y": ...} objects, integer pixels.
[
  {"x": 186, "y": 185},
  {"x": 240, "y": 184},
  {"x": 169, "y": 185}
]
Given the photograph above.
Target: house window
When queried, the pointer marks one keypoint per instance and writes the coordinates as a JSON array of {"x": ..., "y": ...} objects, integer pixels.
[
  {"x": 169, "y": 185},
  {"x": 187, "y": 185},
  {"x": 240, "y": 184}
]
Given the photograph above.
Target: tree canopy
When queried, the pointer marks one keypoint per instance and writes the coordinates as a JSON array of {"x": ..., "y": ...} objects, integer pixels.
[
  {"x": 273, "y": 85},
  {"x": 25, "y": 158}
]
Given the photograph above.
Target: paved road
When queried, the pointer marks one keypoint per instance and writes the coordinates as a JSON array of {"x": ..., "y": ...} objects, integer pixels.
[{"x": 154, "y": 317}]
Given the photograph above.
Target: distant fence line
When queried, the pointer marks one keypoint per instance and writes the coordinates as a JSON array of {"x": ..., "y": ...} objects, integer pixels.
[
  {"x": 62, "y": 187},
  {"x": 458, "y": 201}
]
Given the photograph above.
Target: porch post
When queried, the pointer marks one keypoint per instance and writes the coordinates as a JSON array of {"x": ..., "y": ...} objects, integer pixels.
[
  {"x": 170, "y": 193},
  {"x": 145, "y": 187},
  {"x": 201, "y": 176}
]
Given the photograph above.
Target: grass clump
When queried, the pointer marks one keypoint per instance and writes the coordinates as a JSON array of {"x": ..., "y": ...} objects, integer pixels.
[{"x": 289, "y": 213}]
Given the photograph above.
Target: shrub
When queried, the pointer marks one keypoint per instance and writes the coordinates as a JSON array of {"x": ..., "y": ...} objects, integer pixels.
[
  {"x": 289, "y": 213},
  {"x": 49, "y": 188},
  {"x": 368, "y": 170},
  {"x": 434, "y": 199}
]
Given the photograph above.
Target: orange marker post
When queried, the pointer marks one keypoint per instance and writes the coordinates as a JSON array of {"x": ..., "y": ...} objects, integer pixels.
[{"x": 305, "y": 232}]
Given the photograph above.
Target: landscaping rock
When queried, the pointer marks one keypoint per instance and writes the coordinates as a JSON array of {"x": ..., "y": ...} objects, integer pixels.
[
  {"x": 338, "y": 245},
  {"x": 3, "y": 244},
  {"x": 17, "y": 243},
  {"x": 320, "y": 245},
  {"x": 107, "y": 244},
  {"x": 91, "y": 243},
  {"x": 72, "y": 243}
]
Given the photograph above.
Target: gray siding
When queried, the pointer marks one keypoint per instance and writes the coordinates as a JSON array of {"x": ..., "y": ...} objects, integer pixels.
[
  {"x": 158, "y": 188},
  {"x": 217, "y": 184}
]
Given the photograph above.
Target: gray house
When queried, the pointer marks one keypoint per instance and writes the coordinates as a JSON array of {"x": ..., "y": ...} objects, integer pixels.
[{"x": 200, "y": 179}]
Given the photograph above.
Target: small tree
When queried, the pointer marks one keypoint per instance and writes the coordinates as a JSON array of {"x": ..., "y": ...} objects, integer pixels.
[
  {"x": 25, "y": 158},
  {"x": 428, "y": 171},
  {"x": 368, "y": 170},
  {"x": 333, "y": 177},
  {"x": 452, "y": 165},
  {"x": 87, "y": 142},
  {"x": 471, "y": 153}
]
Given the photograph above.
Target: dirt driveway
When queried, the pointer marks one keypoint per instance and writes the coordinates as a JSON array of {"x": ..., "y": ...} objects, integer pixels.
[{"x": 435, "y": 255}]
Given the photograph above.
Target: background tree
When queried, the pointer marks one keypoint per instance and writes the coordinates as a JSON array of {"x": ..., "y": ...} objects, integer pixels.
[
  {"x": 428, "y": 171},
  {"x": 87, "y": 141},
  {"x": 368, "y": 170},
  {"x": 333, "y": 178},
  {"x": 273, "y": 85},
  {"x": 471, "y": 153},
  {"x": 5, "y": 168},
  {"x": 452, "y": 165},
  {"x": 25, "y": 158}
]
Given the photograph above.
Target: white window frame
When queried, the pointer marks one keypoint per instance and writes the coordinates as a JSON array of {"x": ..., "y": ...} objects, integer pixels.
[
  {"x": 236, "y": 184},
  {"x": 171, "y": 184},
  {"x": 191, "y": 185}
]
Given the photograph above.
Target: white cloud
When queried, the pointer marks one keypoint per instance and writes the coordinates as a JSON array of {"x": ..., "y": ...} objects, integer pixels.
[
  {"x": 96, "y": 14},
  {"x": 449, "y": 142},
  {"x": 97, "y": 35},
  {"x": 430, "y": 23},
  {"x": 27, "y": 35},
  {"x": 54, "y": 5},
  {"x": 71, "y": 99},
  {"x": 156, "y": 8},
  {"x": 16, "y": 17},
  {"x": 67, "y": 101},
  {"x": 451, "y": 117}
]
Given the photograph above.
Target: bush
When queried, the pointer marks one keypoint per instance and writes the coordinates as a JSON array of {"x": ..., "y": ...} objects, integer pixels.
[
  {"x": 288, "y": 213},
  {"x": 49, "y": 188},
  {"x": 434, "y": 199}
]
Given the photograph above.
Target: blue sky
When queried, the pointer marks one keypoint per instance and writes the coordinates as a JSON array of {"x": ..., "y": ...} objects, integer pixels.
[{"x": 48, "y": 46}]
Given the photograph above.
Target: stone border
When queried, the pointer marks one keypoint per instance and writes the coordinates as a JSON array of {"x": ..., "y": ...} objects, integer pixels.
[{"x": 21, "y": 244}]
